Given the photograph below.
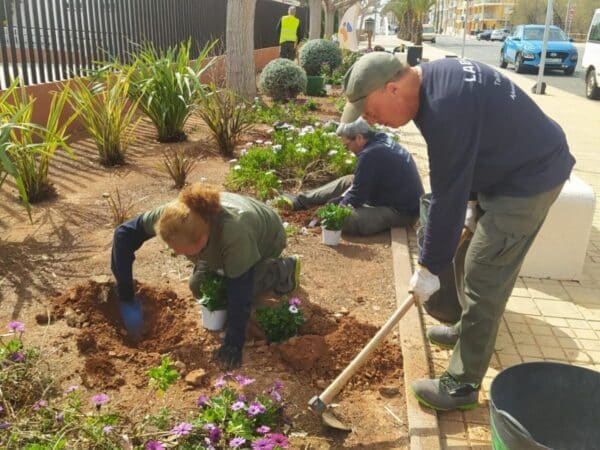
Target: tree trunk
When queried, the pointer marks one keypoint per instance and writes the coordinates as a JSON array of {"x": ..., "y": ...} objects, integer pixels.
[
  {"x": 314, "y": 30},
  {"x": 240, "y": 74},
  {"x": 329, "y": 19}
]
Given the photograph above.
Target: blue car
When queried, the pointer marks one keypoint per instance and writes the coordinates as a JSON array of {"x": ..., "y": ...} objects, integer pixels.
[{"x": 524, "y": 49}]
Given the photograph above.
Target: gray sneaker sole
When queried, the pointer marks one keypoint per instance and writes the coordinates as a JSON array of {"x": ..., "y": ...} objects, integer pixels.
[{"x": 465, "y": 407}]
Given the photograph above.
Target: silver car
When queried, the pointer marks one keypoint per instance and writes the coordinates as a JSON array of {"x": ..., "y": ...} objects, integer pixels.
[{"x": 500, "y": 34}]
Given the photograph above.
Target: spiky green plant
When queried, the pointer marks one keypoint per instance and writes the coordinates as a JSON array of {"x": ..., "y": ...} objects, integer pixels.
[
  {"x": 227, "y": 116},
  {"x": 33, "y": 147},
  {"x": 120, "y": 210},
  {"x": 178, "y": 166},
  {"x": 107, "y": 113},
  {"x": 167, "y": 86}
]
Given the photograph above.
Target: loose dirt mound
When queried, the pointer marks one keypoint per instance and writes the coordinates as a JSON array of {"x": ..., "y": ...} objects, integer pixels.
[
  {"x": 300, "y": 218},
  {"x": 326, "y": 345},
  {"x": 326, "y": 356},
  {"x": 112, "y": 360}
]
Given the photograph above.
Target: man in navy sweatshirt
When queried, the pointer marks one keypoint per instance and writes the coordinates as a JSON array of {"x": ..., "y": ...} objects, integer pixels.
[
  {"x": 384, "y": 190},
  {"x": 484, "y": 135}
]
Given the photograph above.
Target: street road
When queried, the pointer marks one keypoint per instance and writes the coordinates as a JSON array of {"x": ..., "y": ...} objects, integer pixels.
[{"x": 489, "y": 53}]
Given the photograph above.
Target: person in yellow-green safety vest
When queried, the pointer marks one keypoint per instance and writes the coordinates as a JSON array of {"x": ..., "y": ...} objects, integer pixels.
[{"x": 289, "y": 30}]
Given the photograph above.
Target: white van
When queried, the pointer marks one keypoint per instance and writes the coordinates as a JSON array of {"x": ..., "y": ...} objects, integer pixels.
[
  {"x": 591, "y": 59},
  {"x": 428, "y": 33}
]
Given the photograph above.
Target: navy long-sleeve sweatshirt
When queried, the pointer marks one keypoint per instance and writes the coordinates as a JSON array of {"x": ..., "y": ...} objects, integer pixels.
[
  {"x": 385, "y": 175},
  {"x": 485, "y": 135}
]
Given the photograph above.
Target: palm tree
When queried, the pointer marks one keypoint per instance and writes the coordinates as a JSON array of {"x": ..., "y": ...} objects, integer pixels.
[{"x": 410, "y": 15}]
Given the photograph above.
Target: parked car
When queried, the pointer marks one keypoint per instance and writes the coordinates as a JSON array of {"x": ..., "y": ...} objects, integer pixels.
[
  {"x": 500, "y": 34},
  {"x": 484, "y": 35},
  {"x": 524, "y": 49},
  {"x": 428, "y": 33},
  {"x": 591, "y": 59}
]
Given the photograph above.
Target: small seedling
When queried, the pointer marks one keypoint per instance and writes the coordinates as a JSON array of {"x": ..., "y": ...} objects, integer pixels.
[
  {"x": 163, "y": 376},
  {"x": 280, "y": 324},
  {"x": 333, "y": 216}
]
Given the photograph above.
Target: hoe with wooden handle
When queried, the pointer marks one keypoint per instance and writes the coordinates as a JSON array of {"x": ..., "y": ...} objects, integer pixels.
[{"x": 319, "y": 403}]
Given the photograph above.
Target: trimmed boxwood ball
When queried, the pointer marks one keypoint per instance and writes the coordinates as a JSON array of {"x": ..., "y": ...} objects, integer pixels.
[
  {"x": 282, "y": 79},
  {"x": 317, "y": 52}
]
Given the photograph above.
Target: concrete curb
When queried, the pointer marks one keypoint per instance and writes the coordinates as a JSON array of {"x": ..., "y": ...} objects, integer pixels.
[{"x": 423, "y": 427}]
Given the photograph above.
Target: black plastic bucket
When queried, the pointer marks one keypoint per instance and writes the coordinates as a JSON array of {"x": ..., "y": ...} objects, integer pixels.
[
  {"x": 544, "y": 405},
  {"x": 442, "y": 305}
]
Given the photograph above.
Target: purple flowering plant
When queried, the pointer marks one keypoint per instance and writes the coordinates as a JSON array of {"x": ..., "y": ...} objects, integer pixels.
[
  {"x": 12, "y": 350},
  {"x": 280, "y": 324},
  {"x": 232, "y": 419}
]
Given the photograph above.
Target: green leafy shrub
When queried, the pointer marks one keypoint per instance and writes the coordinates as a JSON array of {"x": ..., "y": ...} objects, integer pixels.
[
  {"x": 32, "y": 148},
  {"x": 348, "y": 59},
  {"x": 214, "y": 292},
  {"x": 107, "y": 113},
  {"x": 296, "y": 158},
  {"x": 282, "y": 79},
  {"x": 317, "y": 52},
  {"x": 226, "y": 115},
  {"x": 280, "y": 324},
  {"x": 167, "y": 86},
  {"x": 333, "y": 216},
  {"x": 311, "y": 105}
]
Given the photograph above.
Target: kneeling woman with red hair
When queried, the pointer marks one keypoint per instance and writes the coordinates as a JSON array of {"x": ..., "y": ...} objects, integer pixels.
[{"x": 235, "y": 236}]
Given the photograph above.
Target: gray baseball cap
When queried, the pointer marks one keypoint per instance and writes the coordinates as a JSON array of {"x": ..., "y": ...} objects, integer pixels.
[{"x": 367, "y": 74}]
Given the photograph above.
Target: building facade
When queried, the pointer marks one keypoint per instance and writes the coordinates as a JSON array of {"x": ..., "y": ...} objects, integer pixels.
[{"x": 448, "y": 16}]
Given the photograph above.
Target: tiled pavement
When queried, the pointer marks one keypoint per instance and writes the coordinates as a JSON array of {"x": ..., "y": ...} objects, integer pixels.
[{"x": 545, "y": 320}]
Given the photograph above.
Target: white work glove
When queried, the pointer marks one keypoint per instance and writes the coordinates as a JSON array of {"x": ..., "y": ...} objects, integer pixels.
[
  {"x": 423, "y": 284},
  {"x": 471, "y": 216}
]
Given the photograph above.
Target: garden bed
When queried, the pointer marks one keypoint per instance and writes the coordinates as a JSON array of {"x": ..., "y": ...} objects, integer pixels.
[{"x": 56, "y": 279}]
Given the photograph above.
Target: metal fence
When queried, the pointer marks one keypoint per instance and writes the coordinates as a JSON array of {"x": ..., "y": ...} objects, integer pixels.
[{"x": 52, "y": 40}]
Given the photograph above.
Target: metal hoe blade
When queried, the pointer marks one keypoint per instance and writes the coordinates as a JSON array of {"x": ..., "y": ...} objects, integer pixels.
[{"x": 331, "y": 421}]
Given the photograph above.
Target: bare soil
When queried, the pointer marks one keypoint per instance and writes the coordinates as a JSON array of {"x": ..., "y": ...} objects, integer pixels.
[{"x": 55, "y": 276}]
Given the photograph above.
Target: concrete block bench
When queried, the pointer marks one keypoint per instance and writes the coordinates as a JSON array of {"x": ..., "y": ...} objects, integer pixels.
[{"x": 559, "y": 250}]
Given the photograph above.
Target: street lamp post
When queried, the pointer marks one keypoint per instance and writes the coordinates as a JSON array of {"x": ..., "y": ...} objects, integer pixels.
[
  {"x": 538, "y": 86},
  {"x": 466, "y": 20}
]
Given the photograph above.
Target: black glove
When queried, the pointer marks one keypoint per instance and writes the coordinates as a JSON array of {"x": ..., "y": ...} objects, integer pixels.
[{"x": 230, "y": 356}]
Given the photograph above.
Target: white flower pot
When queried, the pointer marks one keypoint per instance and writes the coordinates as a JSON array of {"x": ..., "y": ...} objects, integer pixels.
[
  {"x": 330, "y": 237},
  {"x": 213, "y": 320},
  {"x": 329, "y": 89}
]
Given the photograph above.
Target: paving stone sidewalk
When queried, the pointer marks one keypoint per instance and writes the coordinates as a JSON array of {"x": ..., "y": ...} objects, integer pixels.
[{"x": 545, "y": 320}]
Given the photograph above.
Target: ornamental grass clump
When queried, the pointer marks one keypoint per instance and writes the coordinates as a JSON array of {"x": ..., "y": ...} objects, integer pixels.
[
  {"x": 333, "y": 216},
  {"x": 178, "y": 166},
  {"x": 166, "y": 83},
  {"x": 107, "y": 113},
  {"x": 280, "y": 324},
  {"x": 226, "y": 115},
  {"x": 214, "y": 292},
  {"x": 295, "y": 159},
  {"x": 282, "y": 79},
  {"x": 31, "y": 147},
  {"x": 120, "y": 209}
]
